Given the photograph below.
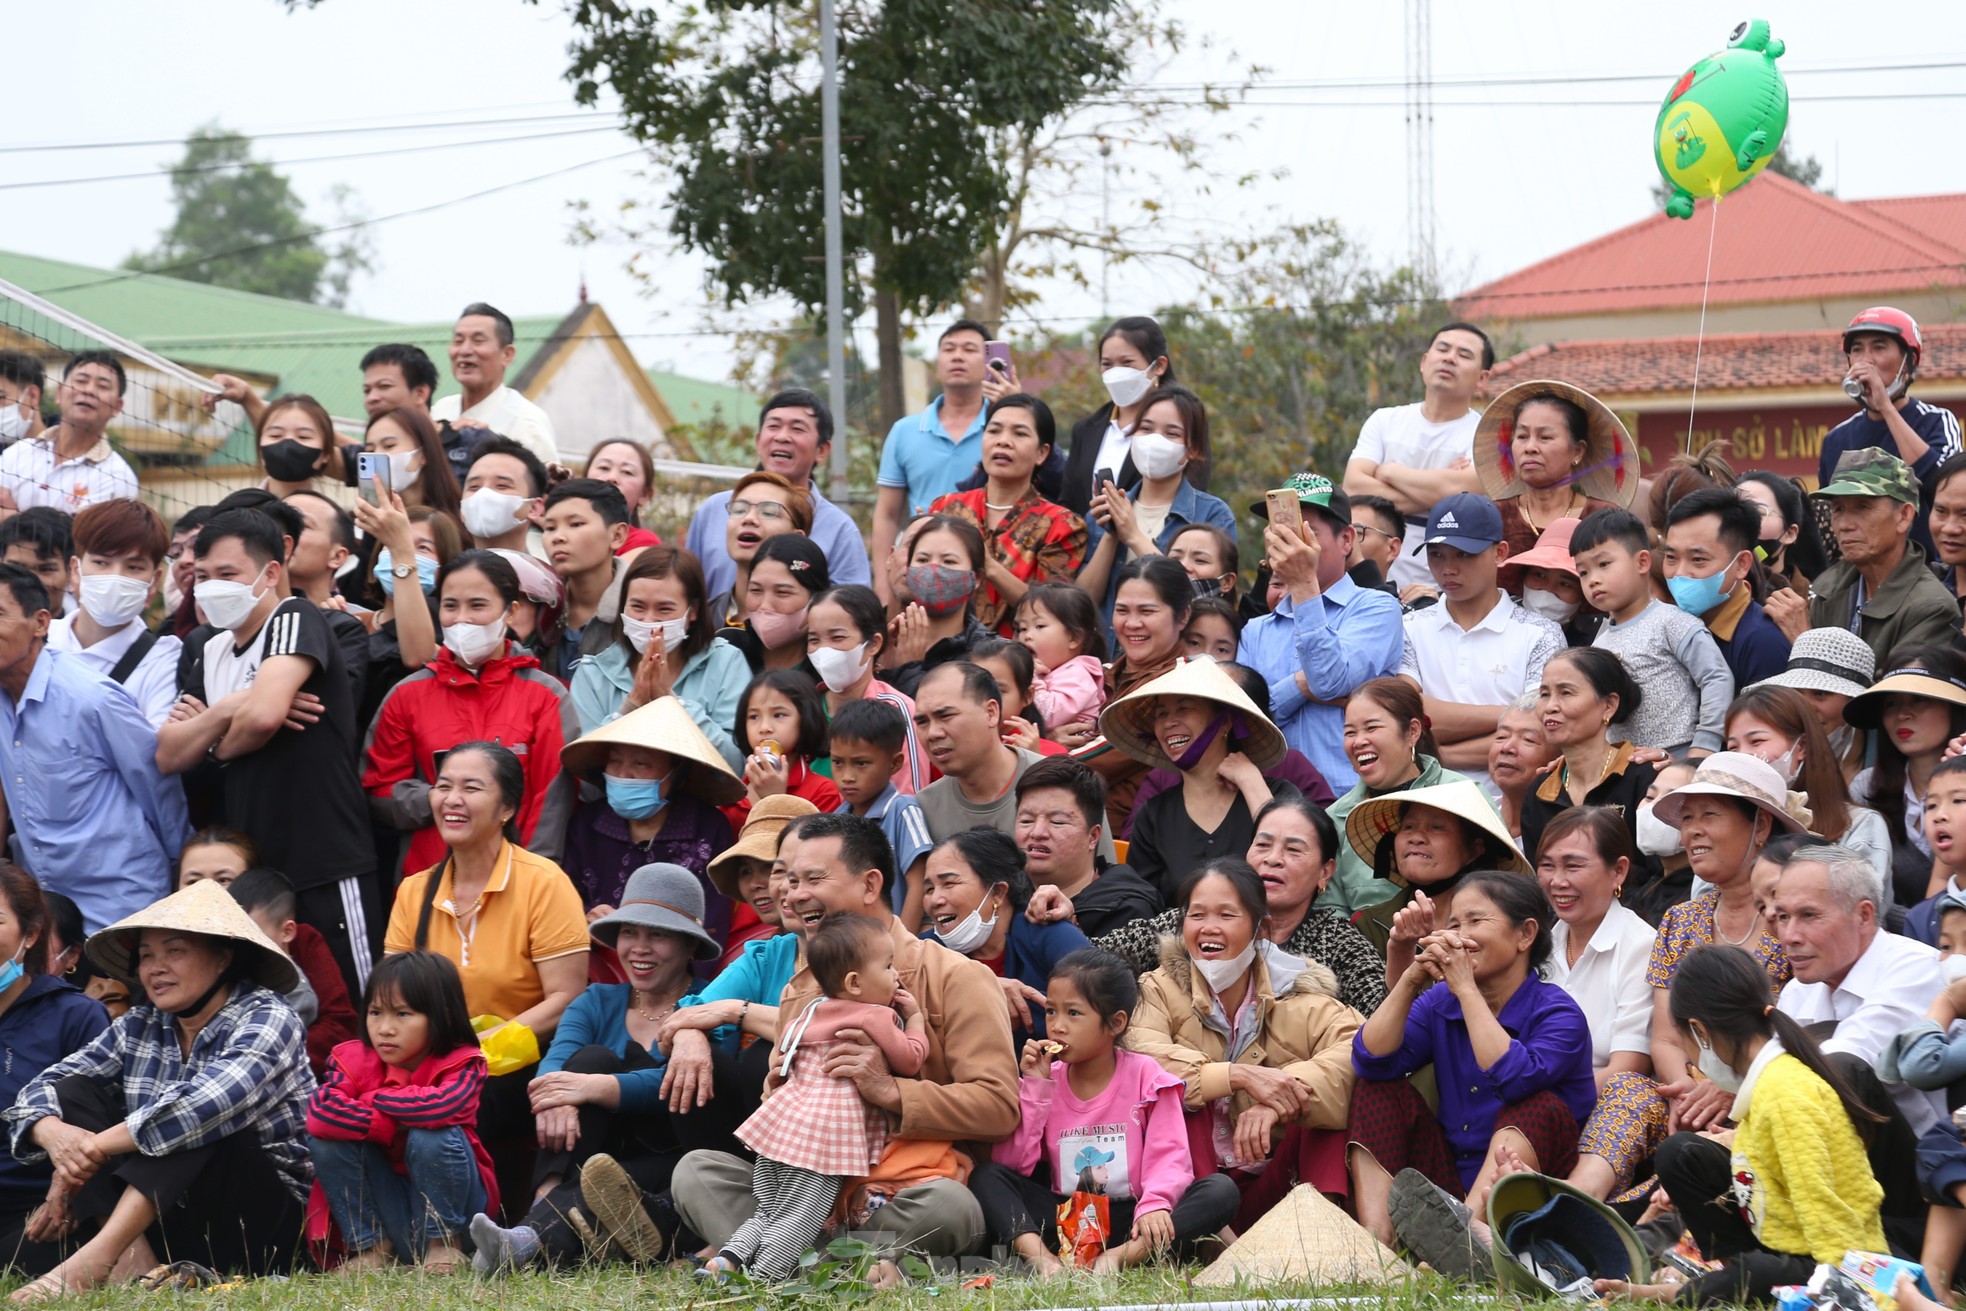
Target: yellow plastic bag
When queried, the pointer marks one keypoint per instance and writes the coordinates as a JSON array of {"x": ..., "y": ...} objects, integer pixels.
[{"x": 513, "y": 1047}]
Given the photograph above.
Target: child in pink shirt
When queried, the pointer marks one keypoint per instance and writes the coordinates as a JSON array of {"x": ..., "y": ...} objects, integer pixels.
[
  {"x": 1097, "y": 1119},
  {"x": 1060, "y": 625}
]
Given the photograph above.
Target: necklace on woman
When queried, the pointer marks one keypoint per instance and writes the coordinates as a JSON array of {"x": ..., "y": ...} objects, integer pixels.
[
  {"x": 1754, "y": 921},
  {"x": 1564, "y": 513},
  {"x": 658, "y": 1017},
  {"x": 1000, "y": 509}
]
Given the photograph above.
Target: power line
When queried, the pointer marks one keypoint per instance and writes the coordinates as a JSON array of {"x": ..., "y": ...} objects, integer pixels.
[
  {"x": 331, "y": 230},
  {"x": 310, "y": 132},
  {"x": 311, "y": 159},
  {"x": 355, "y": 127}
]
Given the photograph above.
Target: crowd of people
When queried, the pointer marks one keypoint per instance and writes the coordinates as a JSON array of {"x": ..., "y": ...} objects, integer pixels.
[{"x": 463, "y": 873}]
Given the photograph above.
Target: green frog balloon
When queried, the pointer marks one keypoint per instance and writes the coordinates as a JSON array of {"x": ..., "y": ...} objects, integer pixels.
[{"x": 1723, "y": 119}]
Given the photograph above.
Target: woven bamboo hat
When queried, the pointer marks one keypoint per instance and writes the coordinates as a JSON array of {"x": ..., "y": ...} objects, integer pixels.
[
  {"x": 1608, "y": 471},
  {"x": 205, "y": 908},
  {"x": 1373, "y": 821},
  {"x": 758, "y": 839},
  {"x": 1305, "y": 1238},
  {"x": 661, "y": 725},
  {"x": 1128, "y": 722}
]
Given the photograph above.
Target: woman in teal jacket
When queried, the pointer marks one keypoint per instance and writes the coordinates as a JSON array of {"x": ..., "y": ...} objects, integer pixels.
[{"x": 665, "y": 644}]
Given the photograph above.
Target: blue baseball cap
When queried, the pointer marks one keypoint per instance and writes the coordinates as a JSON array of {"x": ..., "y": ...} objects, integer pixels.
[{"x": 1466, "y": 521}]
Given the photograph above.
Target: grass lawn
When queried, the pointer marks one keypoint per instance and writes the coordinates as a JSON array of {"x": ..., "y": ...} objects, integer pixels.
[{"x": 619, "y": 1287}]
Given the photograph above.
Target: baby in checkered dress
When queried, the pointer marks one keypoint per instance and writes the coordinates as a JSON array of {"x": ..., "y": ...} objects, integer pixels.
[{"x": 813, "y": 1132}]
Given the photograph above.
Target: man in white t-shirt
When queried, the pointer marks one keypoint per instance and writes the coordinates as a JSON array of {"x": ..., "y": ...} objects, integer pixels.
[
  {"x": 1414, "y": 455},
  {"x": 481, "y": 352}
]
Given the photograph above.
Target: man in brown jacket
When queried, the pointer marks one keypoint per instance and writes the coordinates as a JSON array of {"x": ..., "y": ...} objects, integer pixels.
[{"x": 967, "y": 1092}]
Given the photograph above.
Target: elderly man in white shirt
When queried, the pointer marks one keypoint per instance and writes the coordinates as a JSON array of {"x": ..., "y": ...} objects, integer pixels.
[
  {"x": 1477, "y": 650},
  {"x": 482, "y": 349},
  {"x": 1871, "y": 984}
]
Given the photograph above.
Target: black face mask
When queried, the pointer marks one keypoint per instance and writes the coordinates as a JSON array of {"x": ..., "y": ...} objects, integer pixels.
[
  {"x": 1769, "y": 548},
  {"x": 1206, "y": 586},
  {"x": 289, "y": 461}
]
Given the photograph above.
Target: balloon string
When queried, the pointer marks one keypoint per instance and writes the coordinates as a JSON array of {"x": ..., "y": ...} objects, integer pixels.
[{"x": 1700, "y": 342}]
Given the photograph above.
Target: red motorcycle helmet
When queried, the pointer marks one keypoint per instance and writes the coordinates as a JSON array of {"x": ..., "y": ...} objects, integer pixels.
[{"x": 1890, "y": 322}]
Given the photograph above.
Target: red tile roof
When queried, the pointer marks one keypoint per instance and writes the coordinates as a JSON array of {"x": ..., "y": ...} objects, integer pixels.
[
  {"x": 1728, "y": 362},
  {"x": 1775, "y": 240}
]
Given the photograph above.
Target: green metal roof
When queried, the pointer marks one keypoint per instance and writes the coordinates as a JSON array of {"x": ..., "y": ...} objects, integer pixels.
[
  {"x": 694, "y": 401},
  {"x": 146, "y": 306},
  {"x": 306, "y": 348}
]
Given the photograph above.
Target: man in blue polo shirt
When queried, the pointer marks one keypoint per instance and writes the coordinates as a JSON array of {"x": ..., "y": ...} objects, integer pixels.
[
  {"x": 926, "y": 455},
  {"x": 1883, "y": 348},
  {"x": 795, "y": 429}
]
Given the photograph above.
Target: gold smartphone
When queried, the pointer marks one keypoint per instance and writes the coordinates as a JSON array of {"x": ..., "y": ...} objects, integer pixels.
[{"x": 1286, "y": 511}]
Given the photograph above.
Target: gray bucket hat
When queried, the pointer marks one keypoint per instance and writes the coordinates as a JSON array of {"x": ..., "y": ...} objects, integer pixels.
[{"x": 660, "y": 896}]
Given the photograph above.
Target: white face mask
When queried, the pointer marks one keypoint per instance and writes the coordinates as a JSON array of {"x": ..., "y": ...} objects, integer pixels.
[
  {"x": 1717, "y": 1070},
  {"x": 173, "y": 597},
  {"x": 639, "y": 631},
  {"x": 403, "y": 473},
  {"x": 1224, "y": 972},
  {"x": 1953, "y": 967},
  {"x": 1538, "y": 601},
  {"x": 13, "y": 423},
  {"x": 1126, "y": 386},
  {"x": 475, "y": 643},
  {"x": 227, "y": 605},
  {"x": 971, "y": 932},
  {"x": 839, "y": 670},
  {"x": 1156, "y": 456},
  {"x": 1785, "y": 765},
  {"x": 490, "y": 514},
  {"x": 1655, "y": 836},
  {"x": 113, "y": 600}
]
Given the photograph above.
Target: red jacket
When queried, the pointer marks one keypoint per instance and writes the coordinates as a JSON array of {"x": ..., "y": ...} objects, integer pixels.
[
  {"x": 511, "y": 702},
  {"x": 363, "y": 1100},
  {"x": 336, "y": 1022},
  {"x": 800, "y": 782}
]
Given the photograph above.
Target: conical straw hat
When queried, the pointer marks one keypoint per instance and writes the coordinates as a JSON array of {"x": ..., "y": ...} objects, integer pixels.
[
  {"x": 1128, "y": 722},
  {"x": 1371, "y": 821},
  {"x": 661, "y": 725},
  {"x": 1608, "y": 471},
  {"x": 204, "y": 907},
  {"x": 1305, "y": 1239}
]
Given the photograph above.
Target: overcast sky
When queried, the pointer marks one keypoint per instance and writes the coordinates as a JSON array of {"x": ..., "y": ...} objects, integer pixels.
[{"x": 1514, "y": 180}]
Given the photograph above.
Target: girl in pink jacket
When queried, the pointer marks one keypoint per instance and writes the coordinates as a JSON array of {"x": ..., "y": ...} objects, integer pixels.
[
  {"x": 1097, "y": 1119},
  {"x": 1060, "y": 624}
]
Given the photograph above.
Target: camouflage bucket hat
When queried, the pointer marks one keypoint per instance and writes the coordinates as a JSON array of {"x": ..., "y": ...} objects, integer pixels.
[{"x": 1871, "y": 472}]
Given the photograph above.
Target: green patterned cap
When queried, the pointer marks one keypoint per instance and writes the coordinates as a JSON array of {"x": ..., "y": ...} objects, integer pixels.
[{"x": 1869, "y": 471}]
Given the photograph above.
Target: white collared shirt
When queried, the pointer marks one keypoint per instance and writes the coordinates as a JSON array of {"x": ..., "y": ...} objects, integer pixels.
[
  {"x": 152, "y": 684},
  {"x": 36, "y": 476},
  {"x": 1608, "y": 982},
  {"x": 508, "y": 413},
  {"x": 1491, "y": 664},
  {"x": 1887, "y": 991}
]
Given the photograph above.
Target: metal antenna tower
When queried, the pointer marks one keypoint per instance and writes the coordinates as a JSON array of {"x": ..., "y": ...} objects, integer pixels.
[{"x": 1420, "y": 133}]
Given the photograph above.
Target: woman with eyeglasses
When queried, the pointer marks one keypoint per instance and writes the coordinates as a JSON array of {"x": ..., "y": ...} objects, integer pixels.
[{"x": 763, "y": 505}]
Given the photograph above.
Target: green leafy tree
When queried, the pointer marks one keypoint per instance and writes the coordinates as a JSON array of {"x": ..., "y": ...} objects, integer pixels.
[
  {"x": 240, "y": 225},
  {"x": 727, "y": 95}
]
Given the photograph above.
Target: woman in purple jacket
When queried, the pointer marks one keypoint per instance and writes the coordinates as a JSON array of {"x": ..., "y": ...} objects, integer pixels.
[{"x": 1512, "y": 1057}]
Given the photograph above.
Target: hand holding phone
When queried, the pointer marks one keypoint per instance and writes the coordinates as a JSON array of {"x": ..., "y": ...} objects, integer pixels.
[
  {"x": 372, "y": 477},
  {"x": 996, "y": 357},
  {"x": 1285, "y": 509}
]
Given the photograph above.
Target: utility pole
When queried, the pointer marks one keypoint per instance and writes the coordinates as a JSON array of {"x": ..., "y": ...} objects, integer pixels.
[
  {"x": 1420, "y": 134},
  {"x": 829, "y": 126}
]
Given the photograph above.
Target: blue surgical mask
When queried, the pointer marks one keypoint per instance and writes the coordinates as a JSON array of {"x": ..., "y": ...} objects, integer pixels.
[
  {"x": 1696, "y": 596},
  {"x": 11, "y": 972},
  {"x": 426, "y": 572},
  {"x": 634, "y": 798}
]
